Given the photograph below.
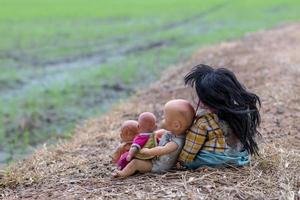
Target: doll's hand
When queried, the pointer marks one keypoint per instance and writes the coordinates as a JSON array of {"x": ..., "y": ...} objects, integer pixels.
[
  {"x": 179, "y": 166},
  {"x": 118, "y": 152},
  {"x": 159, "y": 133},
  {"x": 146, "y": 151},
  {"x": 129, "y": 157}
]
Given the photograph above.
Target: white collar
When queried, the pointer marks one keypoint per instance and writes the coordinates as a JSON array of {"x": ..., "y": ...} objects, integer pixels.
[{"x": 201, "y": 112}]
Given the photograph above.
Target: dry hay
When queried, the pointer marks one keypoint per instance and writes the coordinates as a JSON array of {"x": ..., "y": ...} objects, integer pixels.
[{"x": 267, "y": 62}]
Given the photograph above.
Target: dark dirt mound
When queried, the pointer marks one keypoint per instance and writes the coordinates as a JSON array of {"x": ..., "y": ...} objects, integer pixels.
[{"x": 267, "y": 62}]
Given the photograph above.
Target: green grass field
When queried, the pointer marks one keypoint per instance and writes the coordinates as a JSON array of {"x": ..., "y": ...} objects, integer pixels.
[{"x": 64, "y": 61}]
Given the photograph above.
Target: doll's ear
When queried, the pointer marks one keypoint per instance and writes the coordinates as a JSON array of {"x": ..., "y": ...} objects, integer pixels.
[
  {"x": 123, "y": 135},
  {"x": 127, "y": 135},
  {"x": 176, "y": 125}
]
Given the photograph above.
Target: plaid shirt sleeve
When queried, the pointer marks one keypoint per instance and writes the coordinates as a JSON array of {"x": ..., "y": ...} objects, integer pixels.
[{"x": 195, "y": 139}]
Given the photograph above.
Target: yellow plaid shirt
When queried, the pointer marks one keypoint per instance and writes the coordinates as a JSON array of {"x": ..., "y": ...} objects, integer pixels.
[{"x": 204, "y": 134}]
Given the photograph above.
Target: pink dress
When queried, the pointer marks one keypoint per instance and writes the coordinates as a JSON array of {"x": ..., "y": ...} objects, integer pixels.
[{"x": 139, "y": 142}]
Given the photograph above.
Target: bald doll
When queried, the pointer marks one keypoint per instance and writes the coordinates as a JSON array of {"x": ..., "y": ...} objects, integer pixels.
[
  {"x": 129, "y": 130},
  {"x": 145, "y": 138},
  {"x": 178, "y": 116}
]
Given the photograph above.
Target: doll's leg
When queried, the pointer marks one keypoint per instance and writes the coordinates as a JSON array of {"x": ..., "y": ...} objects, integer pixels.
[
  {"x": 135, "y": 165},
  {"x": 131, "y": 153},
  {"x": 122, "y": 162}
]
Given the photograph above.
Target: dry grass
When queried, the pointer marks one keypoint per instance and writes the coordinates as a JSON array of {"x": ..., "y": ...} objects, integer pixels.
[{"x": 267, "y": 62}]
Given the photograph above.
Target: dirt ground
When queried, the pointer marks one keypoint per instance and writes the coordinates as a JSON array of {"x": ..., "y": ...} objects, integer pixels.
[{"x": 267, "y": 62}]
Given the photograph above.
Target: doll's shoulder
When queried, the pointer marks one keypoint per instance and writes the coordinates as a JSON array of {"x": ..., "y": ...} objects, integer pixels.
[
  {"x": 200, "y": 122},
  {"x": 206, "y": 121},
  {"x": 143, "y": 136},
  {"x": 169, "y": 137}
]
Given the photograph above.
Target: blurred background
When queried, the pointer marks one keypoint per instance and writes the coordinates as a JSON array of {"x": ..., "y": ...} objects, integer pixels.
[{"x": 62, "y": 62}]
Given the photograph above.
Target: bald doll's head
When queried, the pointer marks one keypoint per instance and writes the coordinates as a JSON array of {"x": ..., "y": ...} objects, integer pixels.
[
  {"x": 147, "y": 122},
  {"x": 129, "y": 130},
  {"x": 178, "y": 116}
]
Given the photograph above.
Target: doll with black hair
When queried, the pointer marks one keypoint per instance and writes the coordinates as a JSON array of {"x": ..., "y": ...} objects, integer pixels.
[{"x": 225, "y": 127}]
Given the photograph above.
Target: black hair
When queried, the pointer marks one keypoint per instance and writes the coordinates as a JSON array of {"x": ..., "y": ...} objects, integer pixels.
[{"x": 220, "y": 90}]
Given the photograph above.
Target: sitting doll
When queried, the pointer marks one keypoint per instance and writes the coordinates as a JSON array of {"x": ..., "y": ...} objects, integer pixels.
[
  {"x": 146, "y": 138},
  {"x": 129, "y": 130},
  {"x": 223, "y": 101},
  {"x": 178, "y": 116}
]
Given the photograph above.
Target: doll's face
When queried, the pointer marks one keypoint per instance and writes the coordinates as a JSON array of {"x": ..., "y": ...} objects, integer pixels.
[
  {"x": 129, "y": 130},
  {"x": 147, "y": 122},
  {"x": 178, "y": 115},
  {"x": 168, "y": 120}
]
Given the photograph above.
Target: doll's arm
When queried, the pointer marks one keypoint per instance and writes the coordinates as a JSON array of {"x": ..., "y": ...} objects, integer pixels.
[
  {"x": 122, "y": 148},
  {"x": 160, "y": 150},
  {"x": 159, "y": 133},
  {"x": 194, "y": 141},
  {"x": 132, "y": 151},
  {"x": 138, "y": 143}
]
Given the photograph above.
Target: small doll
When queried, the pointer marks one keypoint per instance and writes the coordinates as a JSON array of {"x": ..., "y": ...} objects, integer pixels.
[
  {"x": 178, "y": 116},
  {"x": 129, "y": 130},
  {"x": 146, "y": 138}
]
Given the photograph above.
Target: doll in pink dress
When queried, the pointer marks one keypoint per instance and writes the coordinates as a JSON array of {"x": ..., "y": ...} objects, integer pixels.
[{"x": 129, "y": 130}]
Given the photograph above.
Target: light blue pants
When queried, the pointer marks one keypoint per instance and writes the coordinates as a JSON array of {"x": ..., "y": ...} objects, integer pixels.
[{"x": 213, "y": 159}]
